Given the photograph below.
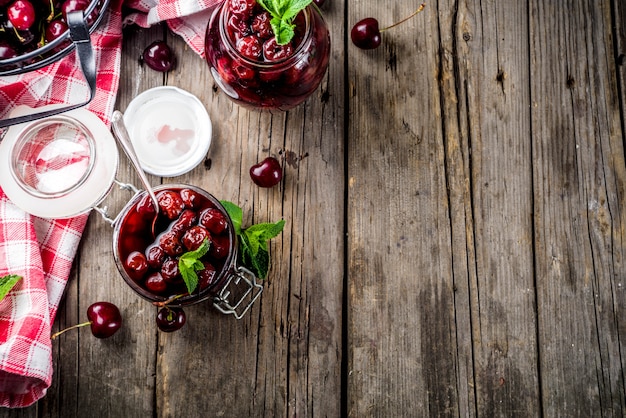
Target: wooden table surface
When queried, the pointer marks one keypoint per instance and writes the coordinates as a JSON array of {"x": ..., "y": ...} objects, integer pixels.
[{"x": 455, "y": 240}]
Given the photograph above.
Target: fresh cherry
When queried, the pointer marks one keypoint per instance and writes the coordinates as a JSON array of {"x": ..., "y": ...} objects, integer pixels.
[
  {"x": 319, "y": 3},
  {"x": 170, "y": 319},
  {"x": 365, "y": 34},
  {"x": 159, "y": 56},
  {"x": 6, "y": 50},
  {"x": 104, "y": 319},
  {"x": 21, "y": 14},
  {"x": 55, "y": 28},
  {"x": 267, "y": 173}
]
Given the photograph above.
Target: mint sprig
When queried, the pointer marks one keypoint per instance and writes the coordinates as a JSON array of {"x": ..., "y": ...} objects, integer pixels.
[
  {"x": 253, "y": 241},
  {"x": 7, "y": 283},
  {"x": 189, "y": 264},
  {"x": 283, "y": 12}
]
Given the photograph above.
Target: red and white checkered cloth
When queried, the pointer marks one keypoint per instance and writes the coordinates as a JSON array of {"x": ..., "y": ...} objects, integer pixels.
[{"x": 42, "y": 250}]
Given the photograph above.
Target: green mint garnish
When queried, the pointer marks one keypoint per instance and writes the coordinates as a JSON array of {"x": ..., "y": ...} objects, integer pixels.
[
  {"x": 253, "y": 250},
  {"x": 189, "y": 264},
  {"x": 283, "y": 12},
  {"x": 6, "y": 284}
]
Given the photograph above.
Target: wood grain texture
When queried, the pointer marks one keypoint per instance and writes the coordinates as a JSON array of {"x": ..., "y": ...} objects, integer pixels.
[{"x": 455, "y": 231}]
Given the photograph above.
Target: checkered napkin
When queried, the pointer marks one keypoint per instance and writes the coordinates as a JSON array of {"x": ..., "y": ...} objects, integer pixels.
[
  {"x": 42, "y": 250},
  {"x": 187, "y": 18}
]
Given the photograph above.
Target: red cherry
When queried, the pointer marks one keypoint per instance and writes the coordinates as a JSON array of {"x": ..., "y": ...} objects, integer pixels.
[
  {"x": 319, "y": 3},
  {"x": 242, "y": 7},
  {"x": 136, "y": 264},
  {"x": 21, "y": 14},
  {"x": 272, "y": 51},
  {"x": 194, "y": 237},
  {"x": 366, "y": 35},
  {"x": 170, "y": 271},
  {"x": 250, "y": 47},
  {"x": 155, "y": 256},
  {"x": 261, "y": 25},
  {"x": 155, "y": 283},
  {"x": 170, "y": 203},
  {"x": 170, "y": 319},
  {"x": 6, "y": 50},
  {"x": 206, "y": 275},
  {"x": 214, "y": 220},
  {"x": 267, "y": 173},
  {"x": 105, "y": 319},
  {"x": 55, "y": 28},
  {"x": 190, "y": 198},
  {"x": 159, "y": 56}
]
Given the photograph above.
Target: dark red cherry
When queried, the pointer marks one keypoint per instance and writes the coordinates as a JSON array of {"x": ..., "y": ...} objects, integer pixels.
[
  {"x": 136, "y": 264},
  {"x": 170, "y": 319},
  {"x": 159, "y": 56},
  {"x": 194, "y": 237},
  {"x": 155, "y": 283},
  {"x": 21, "y": 14},
  {"x": 272, "y": 51},
  {"x": 214, "y": 220},
  {"x": 105, "y": 319},
  {"x": 261, "y": 25},
  {"x": 319, "y": 3},
  {"x": 250, "y": 47},
  {"x": 6, "y": 50},
  {"x": 242, "y": 7},
  {"x": 365, "y": 34},
  {"x": 267, "y": 173},
  {"x": 190, "y": 198},
  {"x": 206, "y": 276},
  {"x": 54, "y": 29},
  {"x": 170, "y": 203}
]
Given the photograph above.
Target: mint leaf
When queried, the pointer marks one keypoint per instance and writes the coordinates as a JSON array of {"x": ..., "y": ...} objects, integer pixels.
[
  {"x": 6, "y": 284},
  {"x": 283, "y": 12},
  {"x": 189, "y": 264},
  {"x": 259, "y": 234},
  {"x": 253, "y": 248},
  {"x": 235, "y": 213},
  {"x": 261, "y": 263}
]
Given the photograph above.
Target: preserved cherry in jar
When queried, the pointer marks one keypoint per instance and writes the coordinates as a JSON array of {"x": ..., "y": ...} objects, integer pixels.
[{"x": 252, "y": 68}]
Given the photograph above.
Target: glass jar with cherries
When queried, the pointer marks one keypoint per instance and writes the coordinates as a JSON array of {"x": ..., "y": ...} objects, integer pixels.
[{"x": 258, "y": 69}]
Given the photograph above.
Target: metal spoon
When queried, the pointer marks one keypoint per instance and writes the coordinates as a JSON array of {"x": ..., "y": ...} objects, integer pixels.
[{"x": 121, "y": 133}]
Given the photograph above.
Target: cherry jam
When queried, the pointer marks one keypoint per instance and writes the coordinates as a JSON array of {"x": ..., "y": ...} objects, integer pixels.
[
  {"x": 252, "y": 69},
  {"x": 187, "y": 217}
]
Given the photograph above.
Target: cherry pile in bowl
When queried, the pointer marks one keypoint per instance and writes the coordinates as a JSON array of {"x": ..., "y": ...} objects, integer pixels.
[
  {"x": 188, "y": 216},
  {"x": 28, "y": 25}
]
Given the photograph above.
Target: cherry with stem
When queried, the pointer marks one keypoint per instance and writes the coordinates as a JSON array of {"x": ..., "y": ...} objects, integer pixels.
[
  {"x": 104, "y": 318},
  {"x": 365, "y": 33}
]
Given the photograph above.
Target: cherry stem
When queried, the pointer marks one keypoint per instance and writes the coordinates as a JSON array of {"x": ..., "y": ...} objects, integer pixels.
[
  {"x": 419, "y": 9},
  {"x": 56, "y": 334},
  {"x": 168, "y": 301}
]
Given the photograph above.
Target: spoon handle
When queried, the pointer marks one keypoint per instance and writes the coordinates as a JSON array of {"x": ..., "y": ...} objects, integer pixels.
[{"x": 121, "y": 133}]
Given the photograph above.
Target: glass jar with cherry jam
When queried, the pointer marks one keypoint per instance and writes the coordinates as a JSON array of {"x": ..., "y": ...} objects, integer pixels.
[
  {"x": 252, "y": 68},
  {"x": 147, "y": 251}
]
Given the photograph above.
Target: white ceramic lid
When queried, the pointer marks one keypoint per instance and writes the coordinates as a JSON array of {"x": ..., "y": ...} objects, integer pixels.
[
  {"x": 170, "y": 130},
  {"x": 58, "y": 167}
]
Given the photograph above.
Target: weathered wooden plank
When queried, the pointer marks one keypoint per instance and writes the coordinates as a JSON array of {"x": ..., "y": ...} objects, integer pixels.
[
  {"x": 492, "y": 40},
  {"x": 579, "y": 208},
  {"x": 284, "y": 358},
  {"x": 401, "y": 314}
]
